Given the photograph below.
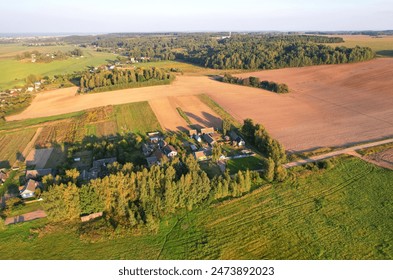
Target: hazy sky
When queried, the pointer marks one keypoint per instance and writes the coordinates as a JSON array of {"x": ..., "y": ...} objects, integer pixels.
[{"x": 202, "y": 15}]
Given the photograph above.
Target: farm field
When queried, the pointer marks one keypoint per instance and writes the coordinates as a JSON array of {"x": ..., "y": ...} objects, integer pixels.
[
  {"x": 197, "y": 112},
  {"x": 14, "y": 72},
  {"x": 382, "y": 45},
  {"x": 136, "y": 117},
  {"x": 13, "y": 144},
  {"x": 342, "y": 213},
  {"x": 333, "y": 105},
  {"x": 328, "y": 106}
]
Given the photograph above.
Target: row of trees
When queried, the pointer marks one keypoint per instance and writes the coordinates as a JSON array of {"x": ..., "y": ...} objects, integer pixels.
[
  {"x": 123, "y": 78},
  {"x": 255, "y": 82}
]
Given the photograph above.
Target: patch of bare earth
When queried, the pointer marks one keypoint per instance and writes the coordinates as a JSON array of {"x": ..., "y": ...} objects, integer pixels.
[{"x": 384, "y": 159}]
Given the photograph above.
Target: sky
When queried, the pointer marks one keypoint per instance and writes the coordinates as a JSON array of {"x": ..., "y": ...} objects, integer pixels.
[{"x": 97, "y": 16}]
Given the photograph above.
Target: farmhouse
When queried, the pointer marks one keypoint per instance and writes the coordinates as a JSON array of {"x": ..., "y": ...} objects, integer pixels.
[
  {"x": 3, "y": 177},
  {"x": 198, "y": 138},
  {"x": 152, "y": 161},
  {"x": 200, "y": 155},
  {"x": 29, "y": 189},
  {"x": 237, "y": 140},
  {"x": 204, "y": 154},
  {"x": 155, "y": 136},
  {"x": 38, "y": 173},
  {"x": 207, "y": 130},
  {"x": 192, "y": 132},
  {"x": 103, "y": 162},
  {"x": 209, "y": 139},
  {"x": 169, "y": 151}
]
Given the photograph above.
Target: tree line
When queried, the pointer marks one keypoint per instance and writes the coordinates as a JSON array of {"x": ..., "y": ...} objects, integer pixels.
[
  {"x": 104, "y": 80},
  {"x": 255, "y": 82}
]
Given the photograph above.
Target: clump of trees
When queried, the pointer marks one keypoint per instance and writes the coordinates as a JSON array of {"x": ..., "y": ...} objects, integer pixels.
[
  {"x": 257, "y": 135},
  {"x": 11, "y": 104},
  {"x": 104, "y": 80},
  {"x": 48, "y": 57},
  {"x": 255, "y": 82}
]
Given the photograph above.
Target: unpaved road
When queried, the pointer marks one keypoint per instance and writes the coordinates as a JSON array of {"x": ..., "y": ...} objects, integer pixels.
[{"x": 349, "y": 150}]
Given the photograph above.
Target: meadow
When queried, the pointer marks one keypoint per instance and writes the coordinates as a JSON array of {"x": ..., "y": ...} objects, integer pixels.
[
  {"x": 251, "y": 163},
  {"x": 14, "y": 72},
  {"x": 382, "y": 45},
  {"x": 341, "y": 213}
]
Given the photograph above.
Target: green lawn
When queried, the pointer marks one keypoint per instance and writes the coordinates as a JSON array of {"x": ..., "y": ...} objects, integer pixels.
[
  {"x": 251, "y": 163},
  {"x": 136, "y": 117},
  {"x": 14, "y": 72},
  {"x": 342, "y": 213}
]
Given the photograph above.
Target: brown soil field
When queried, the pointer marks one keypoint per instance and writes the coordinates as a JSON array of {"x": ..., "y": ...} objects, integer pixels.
[
  {"x": 198, "y": 113},
  {"x": 332, "y": 105}
]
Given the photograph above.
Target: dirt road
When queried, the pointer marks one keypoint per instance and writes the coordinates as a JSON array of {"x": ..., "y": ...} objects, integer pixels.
[{"x": 349, "y": 150}]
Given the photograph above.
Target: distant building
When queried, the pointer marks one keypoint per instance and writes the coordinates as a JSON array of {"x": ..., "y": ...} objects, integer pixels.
[
  {"x": 192, "y": 132},
  {"x": 193, "y": 147},
  {"x": 152, "y": 161},
  {"x": 207, "y": 130},
  {"x": 155, "y": 136},
  {"x": 169, "y": 151},
  {"x": 237, "y": 139},
  {"x": 209, "y": 139},
  {"x": 29, "y": 189},
  {"x": 3, "y": 177},
  {"x": 38, "y": 173},
  {"x": 197, "y": 138},
  {"x": 200, "y": 155},
  {"x": 103, "y": 162}
]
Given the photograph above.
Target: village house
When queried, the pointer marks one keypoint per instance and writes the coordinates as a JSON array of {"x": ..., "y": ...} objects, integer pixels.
[
  {"x": 154, "y": 137},
  {"x": 169, "y": 151},
  {"x": 38, "y": 173},
  {"x": 29, "y": 189},
  {"x": 202, "y": 155},
  {"x": 209, "y": 139},
  {"x": 152, "y": 161},
  {"x": 237, "y": 140},
  {"x": 207, "y": 130}
]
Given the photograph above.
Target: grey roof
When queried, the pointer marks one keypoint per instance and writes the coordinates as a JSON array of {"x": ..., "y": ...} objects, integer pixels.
[
  {"x": 168, "y": 149},
  {"x": 102, "y": 162},
  {"x": 208, "y": 139}
]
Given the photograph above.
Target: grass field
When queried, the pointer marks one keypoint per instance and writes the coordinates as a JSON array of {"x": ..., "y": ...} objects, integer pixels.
[
  {"x": 14, "y": 72},
  {"x": 13, "y": 143},
  {"x": 251, "y": 163},
  {"x": 383, "y": 46},
  {"x": 136, "y": 117},
  {"x": 342, "y": 213}
]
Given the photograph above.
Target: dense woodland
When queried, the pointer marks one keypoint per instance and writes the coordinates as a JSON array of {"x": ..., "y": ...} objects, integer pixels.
[
  {"x": 250, "y": 51},
  {"x": 255, "y": 82},
  {"x": 104, "y": 80},
  {"x": 12, "y": 104}
]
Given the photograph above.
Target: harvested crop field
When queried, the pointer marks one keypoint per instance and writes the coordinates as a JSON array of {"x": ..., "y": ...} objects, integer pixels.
[
  {"x": 197, "y": 112},
  {"x": 334, "y": 105}
]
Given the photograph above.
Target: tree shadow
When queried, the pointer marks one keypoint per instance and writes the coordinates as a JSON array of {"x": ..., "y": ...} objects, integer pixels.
[
  {"x": 388, "y": 53},
  {"x": 5, "y": 164}
]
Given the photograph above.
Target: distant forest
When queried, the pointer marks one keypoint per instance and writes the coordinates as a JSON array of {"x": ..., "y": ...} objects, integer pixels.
[{"x": 248, "y": 51}]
